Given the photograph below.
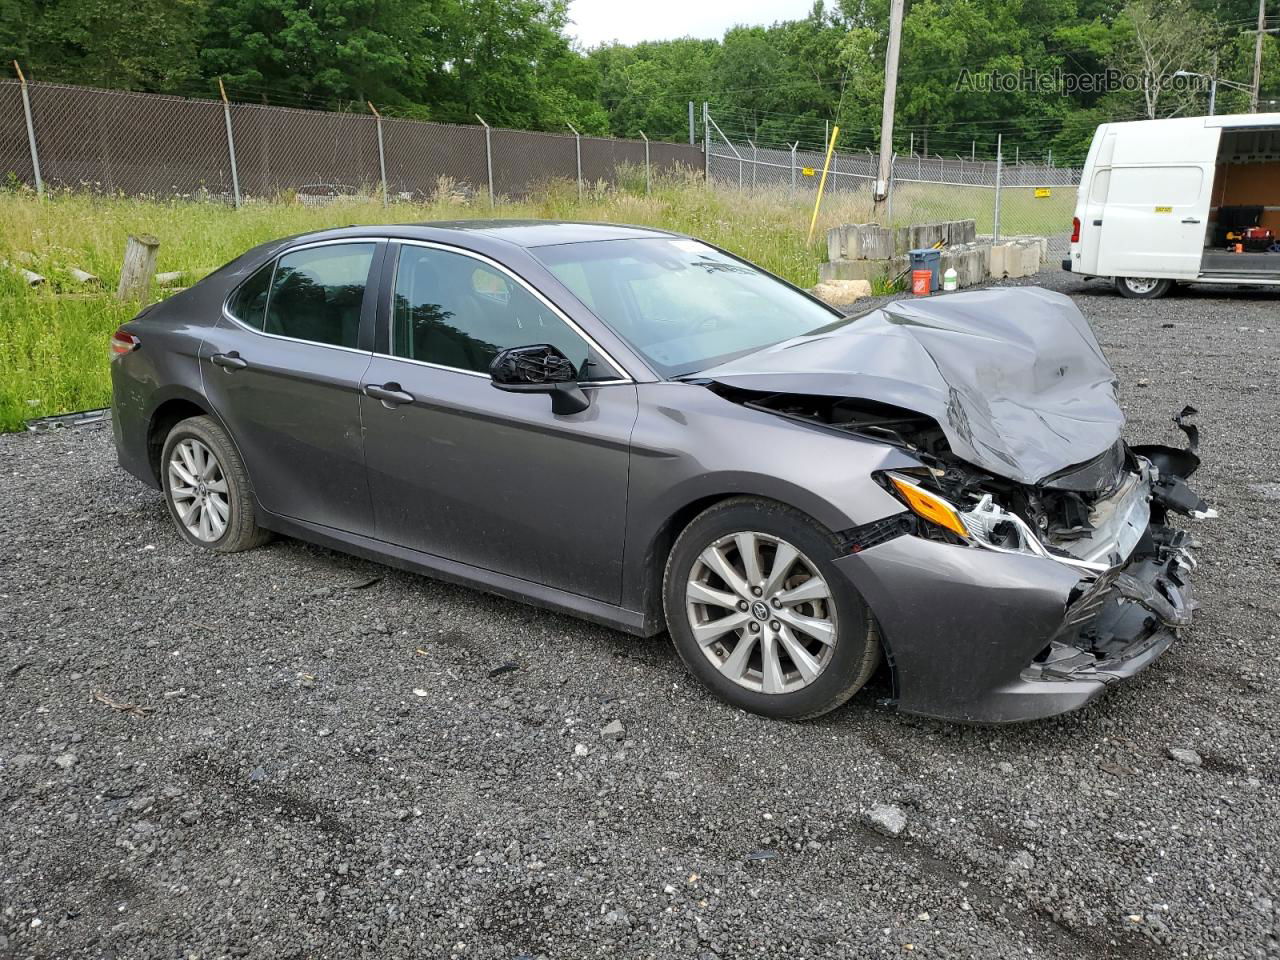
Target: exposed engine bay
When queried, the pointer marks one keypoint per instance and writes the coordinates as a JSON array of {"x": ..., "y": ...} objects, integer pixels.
[{"x": 1092, "y": 515}]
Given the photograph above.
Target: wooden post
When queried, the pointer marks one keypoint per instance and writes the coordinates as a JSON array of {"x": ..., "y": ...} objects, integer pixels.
[{"x": 139, "y": 266}]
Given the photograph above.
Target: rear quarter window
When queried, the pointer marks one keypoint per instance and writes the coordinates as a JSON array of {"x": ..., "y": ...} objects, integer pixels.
[{"x": 249, "y": 302}]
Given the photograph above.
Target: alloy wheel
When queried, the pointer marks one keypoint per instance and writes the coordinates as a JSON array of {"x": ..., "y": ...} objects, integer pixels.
[
  {"x": 198, "y": 489},
  {"x": 761, "y": 612},
  {"x": 1141, "y": 285}
]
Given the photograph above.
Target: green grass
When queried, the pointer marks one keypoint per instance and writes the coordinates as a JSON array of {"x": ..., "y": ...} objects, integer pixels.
[{"x": 53, "y": 338}]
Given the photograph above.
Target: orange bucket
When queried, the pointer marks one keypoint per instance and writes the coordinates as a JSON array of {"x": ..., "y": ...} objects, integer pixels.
[{"x": 921, "y": 282}]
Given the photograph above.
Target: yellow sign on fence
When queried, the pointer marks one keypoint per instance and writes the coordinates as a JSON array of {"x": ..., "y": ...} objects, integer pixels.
[
  {"x": 807, "y": 171},
  {"x": 1043, "y": 192}
]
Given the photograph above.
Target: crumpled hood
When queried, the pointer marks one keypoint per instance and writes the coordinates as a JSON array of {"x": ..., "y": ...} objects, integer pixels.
[{"x": 1014, "y": 376}]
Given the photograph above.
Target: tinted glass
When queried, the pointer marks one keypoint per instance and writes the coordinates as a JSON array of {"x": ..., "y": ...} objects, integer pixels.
[
  {"x": 317, "y": 294},
  {"x": 682, "y": 304},
  {"x": 457, "y": 311},
  {"x": 249, "y": 303}
]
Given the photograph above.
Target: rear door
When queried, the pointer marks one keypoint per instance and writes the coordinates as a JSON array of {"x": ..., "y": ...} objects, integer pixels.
[
  {"x": 283, "y": 370},
  {"x": 493, "y": 479}
]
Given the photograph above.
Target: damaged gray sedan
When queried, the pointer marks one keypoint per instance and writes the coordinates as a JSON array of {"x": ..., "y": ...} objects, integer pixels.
[{"x": 643, "y": 430}]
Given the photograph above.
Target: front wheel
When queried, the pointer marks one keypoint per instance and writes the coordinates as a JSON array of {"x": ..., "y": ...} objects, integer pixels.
[
  {"x": 760, "y": 614},
  {"x": 1143, "y": 288}
]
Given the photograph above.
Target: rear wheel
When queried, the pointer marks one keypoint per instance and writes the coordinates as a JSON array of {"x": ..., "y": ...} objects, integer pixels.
[
  {"x": 1143, "y": 288},
  {"x": 207, "y": 489},
  {"x": 759, "y": 613}
]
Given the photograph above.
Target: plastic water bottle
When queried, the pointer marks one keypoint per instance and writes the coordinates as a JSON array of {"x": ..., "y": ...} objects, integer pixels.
[{"x": 949, "y": 280}]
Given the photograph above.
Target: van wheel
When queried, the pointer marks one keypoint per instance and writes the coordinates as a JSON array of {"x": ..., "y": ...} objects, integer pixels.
[{"x": 1143, "y": 288}]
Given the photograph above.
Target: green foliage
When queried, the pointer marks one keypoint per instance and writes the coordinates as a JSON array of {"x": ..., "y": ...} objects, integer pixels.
[
  {"x": 53, "y": 345},
  {"x": 511, "y": 62}
]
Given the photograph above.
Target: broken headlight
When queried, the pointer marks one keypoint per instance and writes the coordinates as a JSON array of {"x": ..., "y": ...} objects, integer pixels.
[{"x": 983, "y": 523}]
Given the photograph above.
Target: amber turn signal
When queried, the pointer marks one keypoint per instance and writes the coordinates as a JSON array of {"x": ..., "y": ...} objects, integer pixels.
[{"x": 929, "y": 506}]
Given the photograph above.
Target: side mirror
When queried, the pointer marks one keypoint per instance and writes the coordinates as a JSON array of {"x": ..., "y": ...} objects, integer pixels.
[{"x": 540, "y": 368}]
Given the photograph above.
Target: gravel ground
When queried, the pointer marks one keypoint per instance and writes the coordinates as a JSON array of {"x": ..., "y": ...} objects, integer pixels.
[{"x": 333, "y": 759}]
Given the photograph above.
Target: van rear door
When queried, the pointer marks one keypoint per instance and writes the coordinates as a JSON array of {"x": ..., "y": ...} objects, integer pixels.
[{"x": 1154, "y": 220}]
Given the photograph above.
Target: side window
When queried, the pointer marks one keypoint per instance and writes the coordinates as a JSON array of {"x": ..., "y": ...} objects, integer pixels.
[
  {"x": 249, "y": 303},
  {"x": 317, "y": 293},
  {"x": 455, "y": 311},
  {"x": 1101, "y": 183}
]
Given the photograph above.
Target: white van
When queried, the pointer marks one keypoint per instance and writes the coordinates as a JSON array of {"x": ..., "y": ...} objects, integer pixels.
[{"x": 1190, "y": 199}]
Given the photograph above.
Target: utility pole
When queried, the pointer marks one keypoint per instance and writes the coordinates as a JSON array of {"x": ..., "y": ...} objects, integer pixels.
[
  {"x": 1257, "y": 55},
  {"x": 890, "y": 98},
  {"x": 1213, "y": 87},
  {"x": 691, "y": 134}
]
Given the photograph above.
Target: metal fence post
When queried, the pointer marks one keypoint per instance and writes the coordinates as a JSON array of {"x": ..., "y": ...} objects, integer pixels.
[
  {"x": 231, "y": 144},
  {"x": 754, "y": 163},
  {"x": 646, "y": 157},
  {"x": 488, "y": 155},
  {"x": 888, "y": 194},
  {"x": 995, "y": 224},
  {"x": 706, "y": 144},
  {"x": 794, "y": 147},
  {"x": 382, "y": 157},
  {"x": 577, "y": 143},
  {"x": 31, "y": 131}
]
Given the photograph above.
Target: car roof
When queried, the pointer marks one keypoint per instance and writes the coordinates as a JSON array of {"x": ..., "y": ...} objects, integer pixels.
[{"x": 475, "y": 233}]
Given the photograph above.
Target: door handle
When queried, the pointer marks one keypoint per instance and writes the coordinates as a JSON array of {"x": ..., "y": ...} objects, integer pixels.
[
  {"x": 389, "y": 393},
  {"x": 1190, "y": 219},
  {"x": 229, "y": 361},
  {"x": 1097, "y": 223}
]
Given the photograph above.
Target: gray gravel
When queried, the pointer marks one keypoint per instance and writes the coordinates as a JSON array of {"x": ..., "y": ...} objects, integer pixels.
[{"x": 326, "y": 758}]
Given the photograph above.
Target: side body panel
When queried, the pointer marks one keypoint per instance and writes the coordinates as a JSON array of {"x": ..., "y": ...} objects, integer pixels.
[
  {"x": 165, "y": 368},
  {"x": 496, "y": 480},
  {"x": 690, "y": 445},
  {"x": 294, "y": 411}
]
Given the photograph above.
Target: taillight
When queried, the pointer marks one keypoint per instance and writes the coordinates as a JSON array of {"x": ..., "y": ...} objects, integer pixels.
[
  {"x": 1075, "y": 229},
  {"x": 123, "y": 342}
]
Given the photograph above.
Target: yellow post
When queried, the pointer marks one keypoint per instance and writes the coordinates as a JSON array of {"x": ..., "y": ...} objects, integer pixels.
[{"x": 831, "y": 148}]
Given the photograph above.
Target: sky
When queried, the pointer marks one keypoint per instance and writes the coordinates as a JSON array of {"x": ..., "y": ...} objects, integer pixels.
[{"x": 629, "y": 21}]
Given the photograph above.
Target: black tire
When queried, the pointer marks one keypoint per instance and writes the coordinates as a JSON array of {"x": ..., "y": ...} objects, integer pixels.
[
  {"x": 856, "y": 651},
  {"x": 242, "y": 531},
  {"x": 1143, "y": 288}
]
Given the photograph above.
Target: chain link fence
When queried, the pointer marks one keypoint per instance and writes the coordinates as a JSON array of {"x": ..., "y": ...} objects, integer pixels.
[
  {"x": 1006, "y": 199},
  {"x": 140, "y": 144}
]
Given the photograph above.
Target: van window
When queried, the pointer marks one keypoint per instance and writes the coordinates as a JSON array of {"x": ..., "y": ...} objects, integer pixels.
[
  {"x": 1101, "y": 181},
  {"x": 1157, "y": 186}
]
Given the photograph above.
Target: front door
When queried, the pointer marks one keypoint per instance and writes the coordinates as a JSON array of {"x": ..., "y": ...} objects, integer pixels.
[
  {"x": 494, "y": 479},
  {"x": 285, "y": 374}
]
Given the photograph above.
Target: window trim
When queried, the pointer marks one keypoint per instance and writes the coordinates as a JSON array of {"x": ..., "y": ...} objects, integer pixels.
[
  {"x": 371, "y": 280},
  {"x": 623, "y": 376}
]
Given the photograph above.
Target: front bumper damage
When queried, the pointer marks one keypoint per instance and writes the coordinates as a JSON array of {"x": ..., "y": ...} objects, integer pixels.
[{"x": 993, "y": 637}]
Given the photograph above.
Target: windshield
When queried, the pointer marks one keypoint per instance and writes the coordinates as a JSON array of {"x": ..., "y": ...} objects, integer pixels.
[{"x": 684, "y": 306}]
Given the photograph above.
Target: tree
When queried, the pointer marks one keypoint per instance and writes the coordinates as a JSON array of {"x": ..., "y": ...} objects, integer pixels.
[
  {"x": 97, "y": 42},
  {"x": 1159, "y": 38},
  {"x": 317, "y": 52}
]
